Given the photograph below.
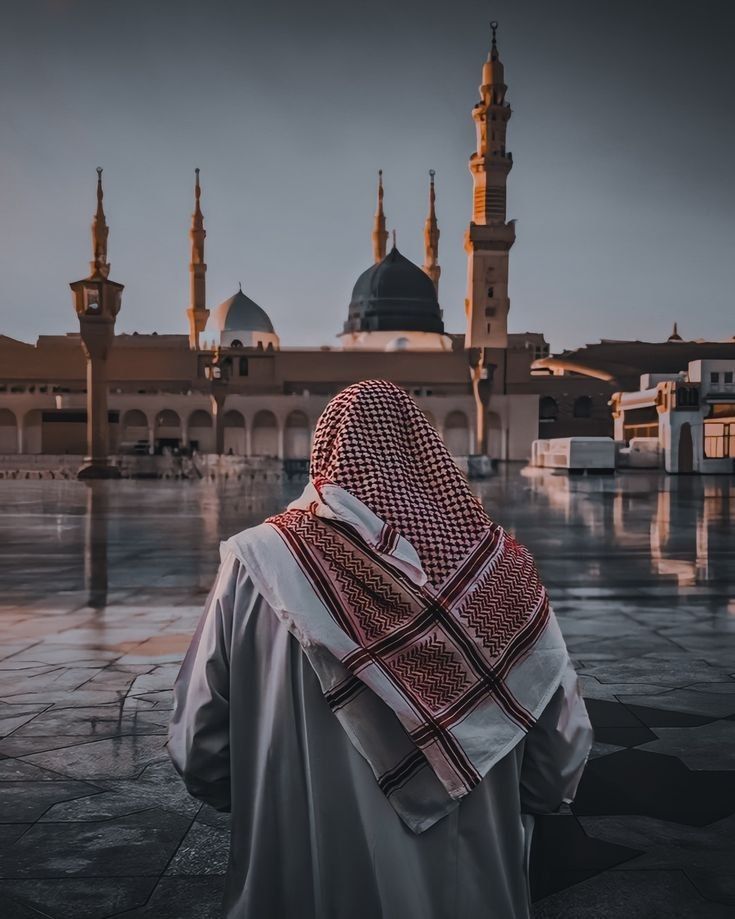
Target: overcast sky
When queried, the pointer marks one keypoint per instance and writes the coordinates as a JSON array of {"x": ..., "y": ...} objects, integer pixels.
[{"x": 622, "y": 137}]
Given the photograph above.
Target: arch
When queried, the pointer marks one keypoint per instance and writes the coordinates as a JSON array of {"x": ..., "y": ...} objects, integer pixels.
[
  {"x": 8, "y": 431},
  {"x": 200, "y": 419},
  {"x": 582, "y": 407},
  {"x": 133, "y": 431},
  {"x": 200, "y": 431},
  {"x": 167, "y": 429},
  {"x": 457, "y": 434},
  {"x": 548, "y": 409},
  {"x": 32, "y": 431},
  {"x": 233, "y": 423},
  {"x": 135, "y": 418},
  {"x": 233, "y": 419},
  {"x": 167, "y": 418},
  {"x": 265, "y": 434},
  {"x": 686, "y": 449},
  {"x": 296, "y": 441}
]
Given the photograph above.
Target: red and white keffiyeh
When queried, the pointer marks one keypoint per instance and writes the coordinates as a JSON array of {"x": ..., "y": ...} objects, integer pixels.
[{"x": 394, "y": 579}]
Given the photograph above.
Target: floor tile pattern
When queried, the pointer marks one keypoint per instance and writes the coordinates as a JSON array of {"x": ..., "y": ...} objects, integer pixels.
[{"x": 102, "y": 585}]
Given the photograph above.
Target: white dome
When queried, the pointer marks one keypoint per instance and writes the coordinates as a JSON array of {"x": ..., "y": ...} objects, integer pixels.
[{"x": 241, "y": 323}]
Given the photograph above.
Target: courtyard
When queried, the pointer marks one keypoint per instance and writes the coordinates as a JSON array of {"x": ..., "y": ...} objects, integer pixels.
[{"x": 102, "y": 586}]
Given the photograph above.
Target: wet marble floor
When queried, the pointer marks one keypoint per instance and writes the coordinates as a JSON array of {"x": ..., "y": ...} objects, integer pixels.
[{"x": 102, "y": 586}]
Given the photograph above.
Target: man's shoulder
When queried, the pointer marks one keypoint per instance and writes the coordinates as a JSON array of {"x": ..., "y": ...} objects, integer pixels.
[{"x": 248, "y": 540}]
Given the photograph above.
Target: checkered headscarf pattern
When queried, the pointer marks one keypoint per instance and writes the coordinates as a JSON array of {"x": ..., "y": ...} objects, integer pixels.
[
  {"x": 374, "y": 441},
  {"x": 440, "y": 653}
]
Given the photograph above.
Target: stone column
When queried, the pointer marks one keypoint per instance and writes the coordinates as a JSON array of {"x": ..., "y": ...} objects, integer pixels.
[
  {"x": 219, "y": 394},
  {"x": 97, "y": 334},
  {"x": 97, "y": 421},
  {"x": 477, "y": 368}
]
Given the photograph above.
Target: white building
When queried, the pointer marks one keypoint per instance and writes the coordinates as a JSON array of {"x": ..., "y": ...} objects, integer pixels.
[{"x": 692, "y": 413}]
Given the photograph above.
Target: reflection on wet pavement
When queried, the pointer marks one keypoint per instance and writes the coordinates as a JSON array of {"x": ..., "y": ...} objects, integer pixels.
[{"x": 102, "y": 587}]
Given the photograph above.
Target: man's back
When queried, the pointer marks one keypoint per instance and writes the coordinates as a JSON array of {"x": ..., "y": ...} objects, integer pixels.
[{"x": 313, "y": 836}]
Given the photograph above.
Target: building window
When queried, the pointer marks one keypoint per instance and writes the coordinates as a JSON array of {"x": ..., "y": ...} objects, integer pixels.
[
  {"x": 582, "y": 407},
  {"x": 719, "y": 439},
  {"x": 236, "y": 343},
  {"x": 548, "y": 409},
  {"x": 491, "y": 291},
  {"x": 714, "y": 377},
  {"x": 490, "y": 310},
  {"x": 488, "y": 328},
  {"x": 687, "y": 397},
  {"x": 243, "y": 367},
  {"x": 727, "y": 376}
]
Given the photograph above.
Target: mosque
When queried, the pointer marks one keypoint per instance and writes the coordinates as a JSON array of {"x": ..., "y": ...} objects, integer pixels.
[{"x": 100, "y": 396}]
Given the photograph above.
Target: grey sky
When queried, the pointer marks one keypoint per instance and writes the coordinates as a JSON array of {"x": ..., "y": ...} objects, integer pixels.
[{"x": 622, "y": 136}]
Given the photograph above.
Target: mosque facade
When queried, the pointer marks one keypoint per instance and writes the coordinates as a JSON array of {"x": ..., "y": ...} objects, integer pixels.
[{"x": 98, "y": 395}]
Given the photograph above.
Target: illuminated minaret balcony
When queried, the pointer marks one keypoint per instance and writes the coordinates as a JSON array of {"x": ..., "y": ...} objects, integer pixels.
[
  {"x": 490, "y": 235},
  {"x": 491, "y": 162}
]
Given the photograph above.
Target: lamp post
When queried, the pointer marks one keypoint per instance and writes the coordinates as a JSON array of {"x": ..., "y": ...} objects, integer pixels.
[{"x": 97, "y": 302}]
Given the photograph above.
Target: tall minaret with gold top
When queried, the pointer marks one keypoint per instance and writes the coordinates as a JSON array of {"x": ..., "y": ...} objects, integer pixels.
[
  {"x": 489, "y": 237},
  {"x": 431, "y": 237},
  {"x": 197, "y": 312},
  {"x": 380, "y": 234},
  {"x": 97, "y": 302}
]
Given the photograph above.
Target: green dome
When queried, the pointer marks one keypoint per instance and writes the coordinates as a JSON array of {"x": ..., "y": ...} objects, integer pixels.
[{"x": 394, "y": 295}]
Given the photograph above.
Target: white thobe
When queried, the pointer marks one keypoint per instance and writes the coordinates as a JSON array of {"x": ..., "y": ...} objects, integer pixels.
[{"x": 313, "y": 836}]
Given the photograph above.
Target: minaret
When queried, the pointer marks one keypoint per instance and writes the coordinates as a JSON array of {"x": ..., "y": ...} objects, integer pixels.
[
  {"x": 99, "y": 266},
  {"x": 197, "y": 312},
  {"x": 489, "y": 237},
  {"x": 380, "y": 234},
  {"x": 97, "y": 302},
  {"x": 431, "y": 237}
]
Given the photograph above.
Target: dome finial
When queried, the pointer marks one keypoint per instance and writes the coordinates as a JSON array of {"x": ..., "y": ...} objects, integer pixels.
[
  {"x": 239, "y": 284},
  {"x": 394, "y": 239},
  {"x": 675, "y": 334},
  {"x": 494, "y": 49}
]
